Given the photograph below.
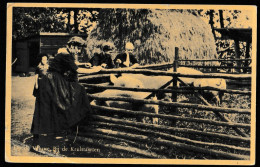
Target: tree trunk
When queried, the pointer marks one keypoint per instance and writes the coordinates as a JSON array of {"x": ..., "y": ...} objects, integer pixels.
[
  {"x": 211, "y": 22},
  {"x": 221, "y": 20},
  {"x": 69, "y": 22},
  {"x": 237, "y": 53},
  {"x": 247, "y": 56},
  {"x": 76, "y": 29}
]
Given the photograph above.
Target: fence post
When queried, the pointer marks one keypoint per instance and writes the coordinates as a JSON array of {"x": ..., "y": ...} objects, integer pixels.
[
  {"x": 174, "y": 81},
  {"x": 247, "y": 56}
]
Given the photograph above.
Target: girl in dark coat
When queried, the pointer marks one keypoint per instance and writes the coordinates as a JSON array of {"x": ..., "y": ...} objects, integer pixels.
[{"x": 40, "y": 70}]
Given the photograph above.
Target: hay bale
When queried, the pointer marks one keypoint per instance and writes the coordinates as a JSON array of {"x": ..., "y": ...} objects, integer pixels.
[{"x": 156, "y": 33}]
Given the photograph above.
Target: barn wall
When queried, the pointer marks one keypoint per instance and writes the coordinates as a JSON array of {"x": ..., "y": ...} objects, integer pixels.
[
  {"x": 27, "y": 50},
  {"x": 34, "y": 49},
  {"x": 22, "y": 53},
  {"x": 52, "y": 42}
]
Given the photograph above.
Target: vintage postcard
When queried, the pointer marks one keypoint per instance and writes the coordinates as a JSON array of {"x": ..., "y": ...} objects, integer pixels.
[{"x": 130, "y": 84}]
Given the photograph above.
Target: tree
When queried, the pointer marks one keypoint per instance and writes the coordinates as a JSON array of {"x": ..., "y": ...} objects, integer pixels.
[{"x": 30, "y": 21}]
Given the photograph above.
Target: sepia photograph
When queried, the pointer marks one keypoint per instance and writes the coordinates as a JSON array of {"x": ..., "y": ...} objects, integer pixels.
[{"x": 130, "y": 84}]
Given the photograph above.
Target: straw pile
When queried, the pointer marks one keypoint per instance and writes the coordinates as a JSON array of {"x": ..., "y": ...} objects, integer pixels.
[{"x": 155, "y": 34}]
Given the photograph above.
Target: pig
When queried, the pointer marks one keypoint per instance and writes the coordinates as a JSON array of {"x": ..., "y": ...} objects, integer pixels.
[
  {"x": 213, "y": 83},
  {"x": 130, "y": 81},
  {"x": 186, "y": 70},
  {"x": 204, "y": 82}
]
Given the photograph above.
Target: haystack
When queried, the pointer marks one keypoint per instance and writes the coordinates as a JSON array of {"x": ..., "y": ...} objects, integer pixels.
[{"x": 155, "y": 34}]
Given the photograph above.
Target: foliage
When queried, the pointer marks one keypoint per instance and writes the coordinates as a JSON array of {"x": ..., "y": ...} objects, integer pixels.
[
  {"x": 87, "y": 20},
  {"x": 231, "y": 19},
  {"x": 30, "y": 21}
]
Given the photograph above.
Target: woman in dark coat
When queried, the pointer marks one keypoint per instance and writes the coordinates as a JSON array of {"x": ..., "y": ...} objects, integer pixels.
[{"x": 61, "y": 102}]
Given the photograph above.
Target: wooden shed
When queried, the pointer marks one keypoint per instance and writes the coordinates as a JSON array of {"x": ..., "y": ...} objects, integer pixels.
[{"x": 26, "y": 50}]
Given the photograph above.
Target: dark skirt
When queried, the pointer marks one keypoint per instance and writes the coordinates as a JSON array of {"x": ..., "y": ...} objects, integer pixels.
[{"x": 59, "y": 105}]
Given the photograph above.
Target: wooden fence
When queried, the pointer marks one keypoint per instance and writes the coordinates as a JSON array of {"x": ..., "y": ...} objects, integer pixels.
[{"x": 137, "y": 136}]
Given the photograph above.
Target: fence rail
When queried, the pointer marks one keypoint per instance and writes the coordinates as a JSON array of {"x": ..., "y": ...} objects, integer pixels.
[
  {"x": 201, "y": 66},
  {"x": 132, "y": 129},
  {"x": 216, "y": 60},
  {"x": 173, "y": 74},
  {"x": 172, "y": 117},
  {"x": 137, "y": 131},
  {"x": 175, "y": 89},
  {"x": 171, "y": 129},
  {"x": 166, "y": 142},
  {"x": 175, "y": 104},
  {"x": 188, "y": 147}
]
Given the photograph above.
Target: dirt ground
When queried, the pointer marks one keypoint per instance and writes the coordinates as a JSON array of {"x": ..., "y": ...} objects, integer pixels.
[{"x": 22, "y": 108}]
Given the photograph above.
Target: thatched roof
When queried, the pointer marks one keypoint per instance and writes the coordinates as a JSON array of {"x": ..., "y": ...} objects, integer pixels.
[{"x": 156, "y": 33}]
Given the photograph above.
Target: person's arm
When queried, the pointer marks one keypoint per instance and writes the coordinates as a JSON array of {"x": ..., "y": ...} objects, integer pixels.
[
  {"x": 90, "y": 62},
  {"x": 134, "y": 61},
  {"x": 135, "y": 65},
  {"x": 36, "y": 81},
  {"x": 37, "y": 71},
  {"x": 118, "y": 61},
  {"x": 110, "y": 62}
]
